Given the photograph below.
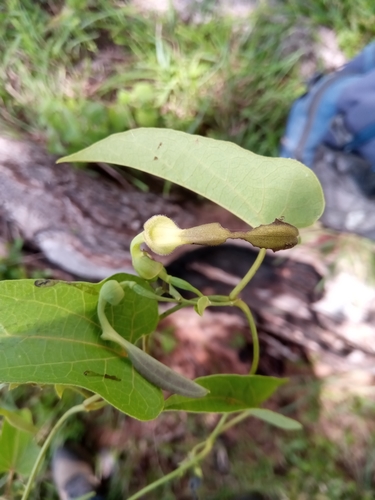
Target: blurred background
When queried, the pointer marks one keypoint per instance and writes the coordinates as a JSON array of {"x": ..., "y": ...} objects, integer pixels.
[{"x": 73, "y": 72}]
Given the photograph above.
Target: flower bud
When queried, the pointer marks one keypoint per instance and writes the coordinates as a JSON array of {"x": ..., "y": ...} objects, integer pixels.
[
  {"x": 112, "y": 292},
  {"x": 146, "y": 267},
  {"x": 278, "y": 235}
]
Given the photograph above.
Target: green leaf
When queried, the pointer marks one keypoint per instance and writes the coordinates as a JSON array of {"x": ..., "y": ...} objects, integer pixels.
[
  {"x": 18, "y": 420},
  {"x": 202, "y": 304},
  {"x": 228, "y": 393},
  {"x": 273, "y": 418},
  {"x": 50, "y": 334},
  {"x": 256, "y": 188},
  {"x": 18, "y": 449}
]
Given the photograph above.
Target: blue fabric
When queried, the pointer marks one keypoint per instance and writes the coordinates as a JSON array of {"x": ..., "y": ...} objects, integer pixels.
[
  {"x": 320, "y": 120},
  {"x": 357, "y": 105},
  {"x": 349, "y": 94}
]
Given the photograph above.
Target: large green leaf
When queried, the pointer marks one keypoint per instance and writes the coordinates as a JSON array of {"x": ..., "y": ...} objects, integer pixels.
[
  {"x": 49, "y": 334},
  {"x": 228, "y": 393},
  {"x": 18, "y": 449},
  {"x": 256, "y": 188}
]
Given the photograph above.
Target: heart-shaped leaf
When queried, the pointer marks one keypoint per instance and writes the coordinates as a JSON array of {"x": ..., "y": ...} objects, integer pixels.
[
  {"x": 50, "y": 334},
  {"x": 256, "y": 188}
]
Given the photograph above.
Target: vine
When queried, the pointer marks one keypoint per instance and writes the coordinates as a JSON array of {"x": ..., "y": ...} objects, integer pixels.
[{"x": 108, "y": 322}]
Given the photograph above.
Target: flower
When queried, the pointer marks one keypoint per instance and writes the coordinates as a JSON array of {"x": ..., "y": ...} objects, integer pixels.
[{"x": 163, "y": 236}]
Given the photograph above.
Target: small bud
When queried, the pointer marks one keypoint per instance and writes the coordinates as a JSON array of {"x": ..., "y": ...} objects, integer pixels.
[
  {"x": 112, "y": 292},
  {"x": 147, "y": 268},
  {"x": 278, "y": 235}
]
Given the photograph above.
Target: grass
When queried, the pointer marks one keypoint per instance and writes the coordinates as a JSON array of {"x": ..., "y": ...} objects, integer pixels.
[
  {"x": 75, "y": 71},
  {"x": 313, "y": 464}
]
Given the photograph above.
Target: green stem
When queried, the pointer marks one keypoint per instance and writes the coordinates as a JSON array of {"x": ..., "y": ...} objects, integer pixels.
[
  {"x": 254, "y": 334},
  {"x": 170, "y": 311},
  {"x": 236, "y": 420},
  {"x": 51, "y": 435},
  {"x": 145, "y": 343},
  {"x": 249, "y": 275},
  {"x": 186, "y": 465},
  {"x": 108, "y": 333},
  {"x": 219, "y": 298},
  {"x": 230, "y": 303},
  {"x": 143, "y": 292}
]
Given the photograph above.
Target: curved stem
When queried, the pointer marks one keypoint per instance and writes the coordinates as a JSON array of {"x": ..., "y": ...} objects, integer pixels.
[
  {"x": 188, "y": 464},
  {"x": 143, "y": 292},
  {"x": 51, "y": 435},
  {"x": 249, "y": 275},
  {"x": 236, "y": 420},
  {"x": 254, "y": 334},
  {"x": 108, "y": 333}
]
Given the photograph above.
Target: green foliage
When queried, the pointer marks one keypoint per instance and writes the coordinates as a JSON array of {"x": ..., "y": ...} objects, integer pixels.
[
  {"x": 11, "y": 266},
  {"x": 163, "y": 73},
  {"x": 228, "y": 393},
  {"x": 276, "y": 419},
  {"x": 351, "y": 21},
  {"x": 255, "y": 188},
  {"x": 50, "y": 334},
  {"x": 19, "y": 419},
  {"x": 313, "y": 469},
  {"x": 77, "y": 71},
  {"x": 18, "y": 448}
]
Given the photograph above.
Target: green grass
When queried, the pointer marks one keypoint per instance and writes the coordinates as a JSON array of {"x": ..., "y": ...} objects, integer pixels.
[
  {"x": 353, "y": 22},
  {"x": 76, "y": 71},
  {"x": 306, "y": 465},
  {"x": 15, "y": 265}
]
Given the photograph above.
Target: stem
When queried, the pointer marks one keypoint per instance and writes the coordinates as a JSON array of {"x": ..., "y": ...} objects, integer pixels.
[
  {"x": 188, "y": 464},
  {"x": 145, "y": 343},
  {"x": 51, "y": 435},
  {"x": 236, "y": 420},
  {"x": 177, "y": 307},
  {"x": 9, "y": 482},
  {"x": 108, "y": 333},
  {"x": 230, "y": 303},
  {"x": 147, "y": 293},
  {"x": 254, "y": 334},
  {"x": 219, "y": 298},
  {"x": 249, "y": 275},
  {"x": 175, "y": 294}
]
